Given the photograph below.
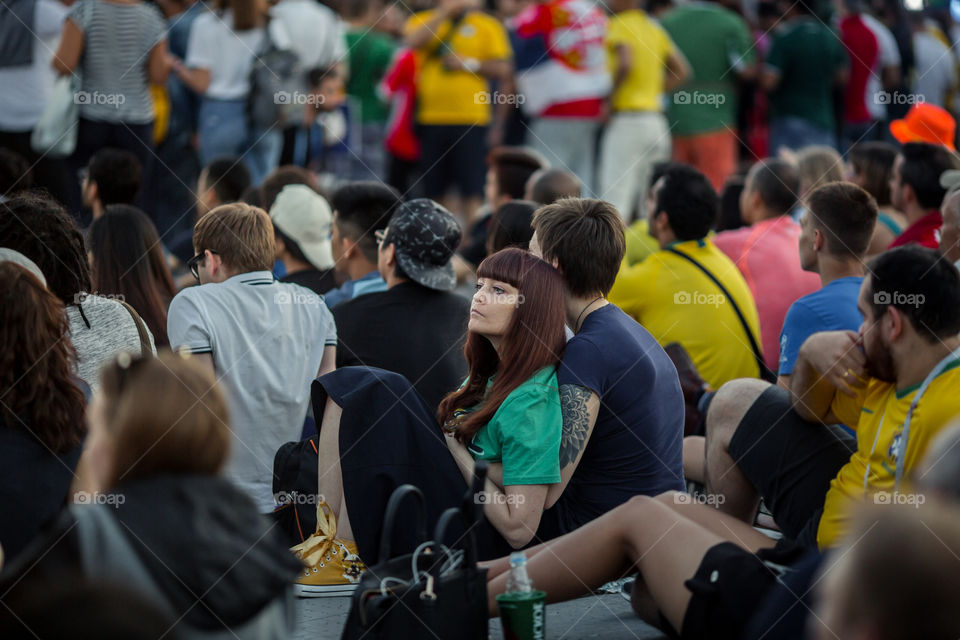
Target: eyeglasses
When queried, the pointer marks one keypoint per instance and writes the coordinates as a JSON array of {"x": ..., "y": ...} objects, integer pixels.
[
  {"x": 194, "y": 263},
  {"x": 380, "y": 235}
]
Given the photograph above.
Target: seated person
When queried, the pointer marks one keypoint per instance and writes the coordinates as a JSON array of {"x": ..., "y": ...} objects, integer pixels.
[
  {"x": 112, "y": 177},
  {"x": 546, "y": 186},
  {"x": 377, "y": 433},
  {"x": 640, "y": 243},
  {"x": 894, "y": 383},
  {"x": 675, "y": 300},
  {"x": 510, "y": 226},
  {"x": 41, "y": 417},
  {"x": 152, "y": 511},
  {"x": 870, "y": 166},
  {"x": 301, "y": 232},
  {"x": 916, "y": 191},
  {"x": 416, "y": 327},
  {"x": 360, "y": 210}
]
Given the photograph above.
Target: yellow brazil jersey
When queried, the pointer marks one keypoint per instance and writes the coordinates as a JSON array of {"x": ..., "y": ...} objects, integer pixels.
[
  {"x": 649, "y": 47},
  {"x": 877, "y": 414},
  {"x": 676, "y": 302},
  {"x": 457, "y": 97}
]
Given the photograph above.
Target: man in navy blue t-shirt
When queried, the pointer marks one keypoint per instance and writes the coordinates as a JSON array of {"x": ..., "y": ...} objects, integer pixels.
[{"x": 620, "y": 395}]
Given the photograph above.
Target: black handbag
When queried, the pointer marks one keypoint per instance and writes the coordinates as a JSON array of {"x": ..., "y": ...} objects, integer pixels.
[{"x": 436, "y": 591}]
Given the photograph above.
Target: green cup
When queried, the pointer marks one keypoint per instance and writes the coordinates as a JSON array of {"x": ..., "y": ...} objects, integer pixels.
[{"x": 523, "y": 615}]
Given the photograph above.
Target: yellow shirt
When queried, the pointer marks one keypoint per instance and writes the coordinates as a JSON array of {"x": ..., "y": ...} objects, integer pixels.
[
  {"x": 457, "y": 97},
  {"x": 640, "y": 243},
  {"x": 880, "y": 408},
  {"x": 676, "y": 302},
  {"x": 649, "y": 47}
]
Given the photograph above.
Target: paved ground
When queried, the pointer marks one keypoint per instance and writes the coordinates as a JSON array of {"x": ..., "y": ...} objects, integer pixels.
[{"x": 604, "y": 616}]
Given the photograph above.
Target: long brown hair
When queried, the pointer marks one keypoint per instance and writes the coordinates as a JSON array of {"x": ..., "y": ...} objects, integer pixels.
[
  {"x": 167, "y": 415},
  {"x": 37, "y": 360},
  {"x": 128, "y": 261},
  {"x": 247, "y": 14},
  {"x": 535, "y": 339}
]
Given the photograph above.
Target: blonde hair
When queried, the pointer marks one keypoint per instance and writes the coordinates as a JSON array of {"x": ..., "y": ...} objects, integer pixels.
[
  {"x": 818, "y": 165},
  {"x": 240, "y": 234}
]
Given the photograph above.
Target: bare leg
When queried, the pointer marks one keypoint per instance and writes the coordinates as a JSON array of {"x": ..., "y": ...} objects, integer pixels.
[
  {"x": 643, "y": 535},
  {"x": 695, "y": 458},
  {"x": 723, "y": 477},
  {"x": 330, "y": 476},
  {"x": 715, "y": 521},
  {"x": 502, "y": 565}
]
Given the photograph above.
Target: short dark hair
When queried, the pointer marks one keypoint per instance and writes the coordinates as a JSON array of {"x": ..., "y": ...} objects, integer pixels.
[
  {"x": 777, "y": 182},
  {"x": 922, "y": 165},
  {"x": 874, "y": 162},
  {"x": 117, "y": 174},
  {"x": 510, "y": 226},
  {"x": 228, "y": 177},
  {"x": 362, "y": 208},
  {"x": 551, "y": 185},
  {"x": 37, "y": 226},
  {"x": 274, "y": 183},
  {"x": 920, "y": 284},
  {"x": 587, "y": 239},
  {"x": 846, "y": 215},
  {"x": 690, "y": 202},
  {"x": 14, "y": 173},
  {"x": 513, "y": 166}
]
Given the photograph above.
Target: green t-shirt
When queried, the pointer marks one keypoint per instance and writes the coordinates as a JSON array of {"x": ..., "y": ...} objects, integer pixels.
[
  {"x": 716, "y": 43},
  {"x": 369, "y": 57},
  {"x": 524, "y": 434},
  {"x": 807, "y": 55}
]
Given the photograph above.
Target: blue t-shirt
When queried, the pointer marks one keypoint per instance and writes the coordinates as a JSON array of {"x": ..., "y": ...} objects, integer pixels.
[
  {"x": 636, "y": 445},
  {"x": 832, "y": 308}
]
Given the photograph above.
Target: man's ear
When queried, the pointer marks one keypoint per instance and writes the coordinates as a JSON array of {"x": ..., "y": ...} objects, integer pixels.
[
  {"x": 661, "y": 220},
  {"x": 279, "y": 247},
  {"x": 907, "y": 193},
  {"x": 390, "y": 254},
  {"x": 93, "y": 190},
  {"x": 349, "y": 247},
  {"x": 894, "y": 320},
  {"x": 214, "y": 262},
  {"x": 818, "y": 240}
]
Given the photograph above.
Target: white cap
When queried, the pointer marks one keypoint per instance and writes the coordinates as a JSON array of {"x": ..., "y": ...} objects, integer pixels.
[{"x": 304, "y": 216}]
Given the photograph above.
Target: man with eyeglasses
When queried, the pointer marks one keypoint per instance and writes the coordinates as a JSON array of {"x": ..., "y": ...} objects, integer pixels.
[{"x": 266, "y": 340}]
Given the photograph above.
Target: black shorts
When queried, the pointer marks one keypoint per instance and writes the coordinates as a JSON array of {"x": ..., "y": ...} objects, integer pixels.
[
  {"x": 453, "y": 156},
  {"x": 729, "y": 586},
  {"x": 790, "y": 461}
]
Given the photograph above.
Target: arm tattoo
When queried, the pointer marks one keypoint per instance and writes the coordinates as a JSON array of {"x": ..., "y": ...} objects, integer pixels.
[{"x": 576, "y": 421}]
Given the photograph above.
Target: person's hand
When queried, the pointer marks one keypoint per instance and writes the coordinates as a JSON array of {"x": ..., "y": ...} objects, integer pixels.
[{"x": 838, "y": 358}]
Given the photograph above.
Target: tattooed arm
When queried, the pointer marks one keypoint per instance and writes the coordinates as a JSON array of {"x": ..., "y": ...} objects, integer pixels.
[{"x": 580, "y": 407}]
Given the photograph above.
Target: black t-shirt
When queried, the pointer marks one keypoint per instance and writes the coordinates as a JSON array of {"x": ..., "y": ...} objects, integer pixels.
[
  {"x": 318, "y": 281},
  {"x": 408, "y": 329},
  {"x": 636, "y": 445}
]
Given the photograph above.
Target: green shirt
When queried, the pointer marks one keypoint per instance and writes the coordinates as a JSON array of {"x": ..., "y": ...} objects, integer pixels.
[
  {"x": 716, "y": 43},
  {"x": 524, "y": 434},
  {"x": 369, "y": 57},
  {"x": 807, "y": 56}
]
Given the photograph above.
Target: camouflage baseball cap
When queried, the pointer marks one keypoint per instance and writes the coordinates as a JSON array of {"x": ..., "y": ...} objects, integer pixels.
[{"x": 425, "y": 236}]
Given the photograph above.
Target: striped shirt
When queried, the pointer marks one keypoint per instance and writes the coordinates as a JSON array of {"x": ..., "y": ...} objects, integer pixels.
[{"x": 117, "y": 39}]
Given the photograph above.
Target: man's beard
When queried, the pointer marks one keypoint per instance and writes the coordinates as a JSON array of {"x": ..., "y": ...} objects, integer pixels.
[{"x": 880, "y": 363}]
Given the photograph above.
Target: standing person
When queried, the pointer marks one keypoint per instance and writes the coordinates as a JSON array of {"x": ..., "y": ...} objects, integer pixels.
[
  {"x": 126, "y": 261},
  {"x": 30, "y": 30},
  {"x": 116, "y": 108},
  {"x": 265, "y": 339},
  {"x": 717, "y": 44},
  {"x": 915, "y": 189},
  {"x": 461, "y": 53},
  {"x": 805, "y": 62},
  {"x": 645, "y": 63},
  {"x": 220, "y": 56},
  {"x": 399, "y": 86},
  {"x": 562, "y": 76}
]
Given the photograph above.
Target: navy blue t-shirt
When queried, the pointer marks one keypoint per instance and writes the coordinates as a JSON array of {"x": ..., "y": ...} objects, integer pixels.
[{"x": 636, "y": 445}]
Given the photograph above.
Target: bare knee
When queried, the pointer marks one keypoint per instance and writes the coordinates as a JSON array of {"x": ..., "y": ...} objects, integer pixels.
[{"x": 729, "y": 406}]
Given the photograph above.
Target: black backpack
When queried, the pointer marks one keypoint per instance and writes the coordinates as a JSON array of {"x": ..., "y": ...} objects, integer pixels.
[{"x": 276, "y": 84}]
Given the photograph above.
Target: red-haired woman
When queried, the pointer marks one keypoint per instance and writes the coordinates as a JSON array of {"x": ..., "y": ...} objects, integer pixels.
[
  {"x": 376, "y": 433},
  {"x": 41, "y": 407}
]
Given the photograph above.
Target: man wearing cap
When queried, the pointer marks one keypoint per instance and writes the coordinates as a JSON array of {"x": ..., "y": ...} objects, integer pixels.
[
  {"x": 301, "y": 228},
  {"x": 926, "y": 123},
  {"x": 417, "y": 326},
  {"x": 916, "y": 190}
]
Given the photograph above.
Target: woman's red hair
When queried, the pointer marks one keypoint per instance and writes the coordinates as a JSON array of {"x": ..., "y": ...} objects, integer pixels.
[{"x": 535, "y": 339}]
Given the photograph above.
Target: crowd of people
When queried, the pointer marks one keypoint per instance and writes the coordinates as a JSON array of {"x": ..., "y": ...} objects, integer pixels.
[{"x": 686, "y": 277}]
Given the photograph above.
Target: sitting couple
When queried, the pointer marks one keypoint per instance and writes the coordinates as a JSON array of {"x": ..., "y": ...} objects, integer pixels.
[{"x": 559, "y": 423}]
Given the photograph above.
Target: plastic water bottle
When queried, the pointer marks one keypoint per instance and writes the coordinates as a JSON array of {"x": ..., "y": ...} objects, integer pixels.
[{"x": 518, "y": 581}]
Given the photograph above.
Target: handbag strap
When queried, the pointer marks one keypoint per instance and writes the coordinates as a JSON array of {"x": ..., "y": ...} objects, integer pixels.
[
  {"x": 469, "y": 513},
  {"x": 145, "y": 349},
  {"x": 393, "y": 508},
  {"x": 765, "y": 373}
]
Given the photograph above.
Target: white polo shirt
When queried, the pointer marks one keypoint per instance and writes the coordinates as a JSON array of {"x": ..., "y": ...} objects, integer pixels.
[{"x": 267, "y": 340}]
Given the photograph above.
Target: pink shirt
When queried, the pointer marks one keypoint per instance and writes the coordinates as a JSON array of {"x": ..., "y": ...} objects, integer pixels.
[{"x": 769, "y": 259}]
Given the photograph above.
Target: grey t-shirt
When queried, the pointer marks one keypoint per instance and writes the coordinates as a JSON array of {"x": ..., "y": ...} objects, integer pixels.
[{"x": 103, "y": 329}]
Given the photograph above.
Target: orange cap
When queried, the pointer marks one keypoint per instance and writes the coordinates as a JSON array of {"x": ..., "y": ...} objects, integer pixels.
[{"x": 925, "y": 123}]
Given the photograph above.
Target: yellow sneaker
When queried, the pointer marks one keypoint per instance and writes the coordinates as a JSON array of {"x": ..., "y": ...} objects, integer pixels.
[{"x": 332, "y": 566}]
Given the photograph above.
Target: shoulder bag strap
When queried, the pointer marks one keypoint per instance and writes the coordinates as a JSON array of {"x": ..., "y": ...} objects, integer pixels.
[{"x": 145, "y": 349}]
